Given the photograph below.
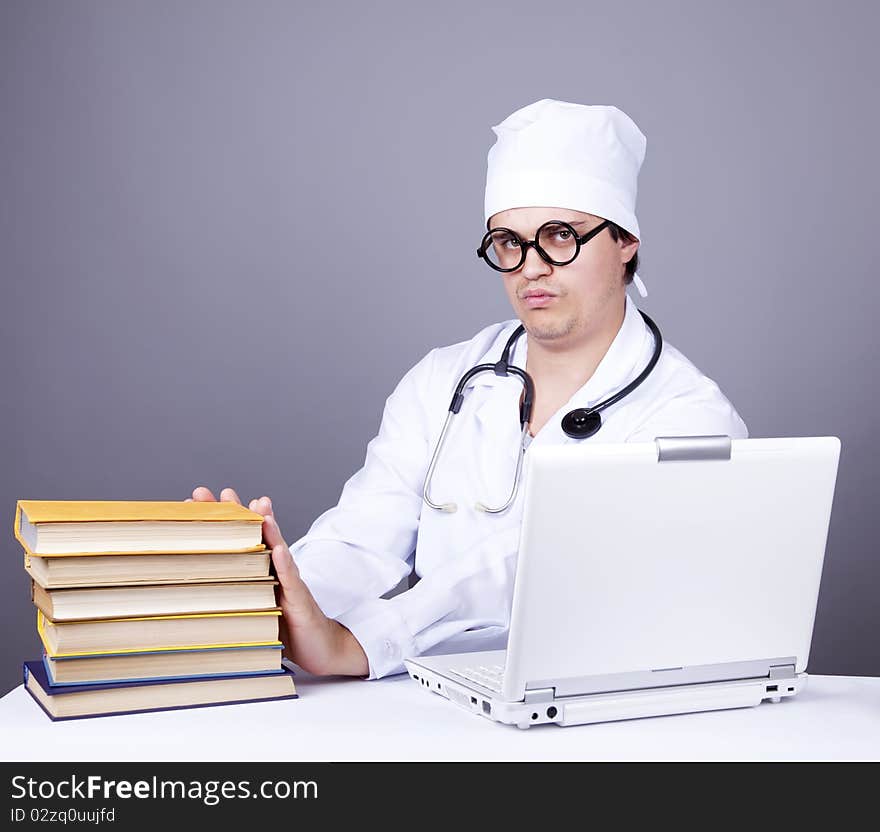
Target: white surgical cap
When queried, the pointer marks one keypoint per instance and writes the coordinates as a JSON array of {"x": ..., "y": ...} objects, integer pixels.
[{"x": 563, "y": 155}]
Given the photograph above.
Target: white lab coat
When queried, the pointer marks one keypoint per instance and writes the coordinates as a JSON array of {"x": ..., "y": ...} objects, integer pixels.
[{"x": 360, "y": 549}]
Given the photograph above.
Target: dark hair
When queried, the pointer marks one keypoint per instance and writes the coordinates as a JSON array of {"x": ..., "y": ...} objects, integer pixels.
[{"x": 633, "y": 265}]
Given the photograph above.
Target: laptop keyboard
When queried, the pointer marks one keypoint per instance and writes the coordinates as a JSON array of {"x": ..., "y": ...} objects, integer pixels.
[{"x": 489, "y": 677}]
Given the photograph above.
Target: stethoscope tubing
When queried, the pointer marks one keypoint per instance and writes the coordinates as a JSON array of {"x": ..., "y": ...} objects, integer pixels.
[{"x": 577, "y": 424}]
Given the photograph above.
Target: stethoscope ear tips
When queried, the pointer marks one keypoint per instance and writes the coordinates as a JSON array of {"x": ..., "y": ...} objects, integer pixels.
[{"x": 581, "y": 423}]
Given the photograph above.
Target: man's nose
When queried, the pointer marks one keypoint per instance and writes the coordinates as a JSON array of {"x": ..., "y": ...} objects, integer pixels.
[{"x": 534, "y": 266}]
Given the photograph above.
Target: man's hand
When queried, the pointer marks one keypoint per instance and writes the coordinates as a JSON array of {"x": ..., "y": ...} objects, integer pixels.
[{"x": 316, "y": 643}]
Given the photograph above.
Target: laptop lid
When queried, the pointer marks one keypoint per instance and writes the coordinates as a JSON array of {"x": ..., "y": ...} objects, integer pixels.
[{"x": 656, "y": 563}]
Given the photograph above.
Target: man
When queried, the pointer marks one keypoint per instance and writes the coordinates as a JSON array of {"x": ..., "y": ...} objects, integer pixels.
[{"x": 563, "y": 236}]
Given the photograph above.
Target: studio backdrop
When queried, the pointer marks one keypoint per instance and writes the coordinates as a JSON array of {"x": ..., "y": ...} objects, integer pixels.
[{"x": 227, "y": 229}]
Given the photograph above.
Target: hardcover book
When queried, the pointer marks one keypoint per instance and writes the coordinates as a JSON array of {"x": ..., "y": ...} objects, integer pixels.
[
  {"x": 128, "y": 635},
  {"x": 108, "y": 527},
  {"x": 79, "y": 701},
  {"x": 162, "y": 599},
  {"x": 117, "y": 570},
  {"x": 163, "y": 664}
]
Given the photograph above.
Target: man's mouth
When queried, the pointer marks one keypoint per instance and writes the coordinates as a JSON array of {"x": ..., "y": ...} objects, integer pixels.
[{"x": 537, "y": 297}]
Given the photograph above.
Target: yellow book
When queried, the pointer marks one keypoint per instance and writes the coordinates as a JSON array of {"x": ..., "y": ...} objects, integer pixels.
[
  {"x": 160, "y": 632},
  {"x": 55, "y": 528}
]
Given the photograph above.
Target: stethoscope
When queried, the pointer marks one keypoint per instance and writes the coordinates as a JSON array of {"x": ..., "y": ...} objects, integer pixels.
[{"x": 578, "y": 424}]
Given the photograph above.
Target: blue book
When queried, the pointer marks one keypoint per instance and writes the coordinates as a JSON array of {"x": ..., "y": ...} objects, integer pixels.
[
  {"x": 146, "y": 695},
  {"x": 166, "y": 665}
]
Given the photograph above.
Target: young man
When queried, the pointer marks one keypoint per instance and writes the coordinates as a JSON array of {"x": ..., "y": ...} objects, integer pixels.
[{"x": 563, "y": 237}]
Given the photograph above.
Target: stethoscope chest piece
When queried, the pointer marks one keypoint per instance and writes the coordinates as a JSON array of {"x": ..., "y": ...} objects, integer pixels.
[{"x": 581, "y": 423}]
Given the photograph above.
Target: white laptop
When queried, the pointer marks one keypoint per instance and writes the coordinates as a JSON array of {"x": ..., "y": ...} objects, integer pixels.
[{"x": 655, "y": 578}]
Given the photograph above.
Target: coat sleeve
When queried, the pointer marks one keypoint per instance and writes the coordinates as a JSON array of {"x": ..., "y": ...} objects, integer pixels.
[
  {"x": 471, "y": 592},
  {"x": 362, "y": 547}
]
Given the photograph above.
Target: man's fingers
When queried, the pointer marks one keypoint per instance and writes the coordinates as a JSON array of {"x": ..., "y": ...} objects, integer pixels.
[
  {"x": 203, "y": 495},
  {"x": 297, "y": 603},
  {"x": 282, "y": 562},
  {"x": 294, "y": 592},
  {"x": 262, "y": 506},
  {"x": 271, "y": 533},
  {"x": 285, "y": 568},
  {"x": 228, "y": 495}
]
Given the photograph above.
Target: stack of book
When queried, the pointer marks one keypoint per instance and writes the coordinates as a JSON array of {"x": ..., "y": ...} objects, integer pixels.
[{"x": 147, "y": 606}]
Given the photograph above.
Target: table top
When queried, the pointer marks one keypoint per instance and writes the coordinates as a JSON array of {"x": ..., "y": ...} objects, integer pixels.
[{"x": 396, "y": 719}]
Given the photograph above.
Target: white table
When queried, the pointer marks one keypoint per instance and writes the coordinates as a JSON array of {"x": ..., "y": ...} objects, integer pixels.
[{"x": 835, "y": 718}]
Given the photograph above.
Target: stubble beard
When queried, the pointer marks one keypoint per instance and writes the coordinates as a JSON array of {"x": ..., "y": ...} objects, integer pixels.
[
  {"x": 555, "y": 328},
  {"x": 551, "y": 330}
]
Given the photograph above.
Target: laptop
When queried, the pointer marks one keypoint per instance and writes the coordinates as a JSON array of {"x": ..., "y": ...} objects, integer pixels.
[{"x": 655, "y": 578}]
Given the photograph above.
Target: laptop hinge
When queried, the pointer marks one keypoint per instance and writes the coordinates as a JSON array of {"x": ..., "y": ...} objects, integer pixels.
[
  {"x": 782, "y": 671},
  {"x": 692, "y": 448},
  {"x": 540, "y": 695}
]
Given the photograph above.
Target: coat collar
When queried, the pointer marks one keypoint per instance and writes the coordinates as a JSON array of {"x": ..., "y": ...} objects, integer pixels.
[{"x": 620, "y": 364}]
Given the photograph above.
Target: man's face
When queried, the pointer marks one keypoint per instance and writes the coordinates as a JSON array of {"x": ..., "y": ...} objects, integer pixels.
[{"x": 561, "y": 304}]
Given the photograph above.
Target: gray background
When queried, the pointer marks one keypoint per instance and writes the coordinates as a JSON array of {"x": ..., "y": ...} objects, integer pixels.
[{"x": 175, "y": 311}]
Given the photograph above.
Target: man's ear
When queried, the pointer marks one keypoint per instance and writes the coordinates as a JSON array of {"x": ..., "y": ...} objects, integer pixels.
[{"x": 628, "y": 247}]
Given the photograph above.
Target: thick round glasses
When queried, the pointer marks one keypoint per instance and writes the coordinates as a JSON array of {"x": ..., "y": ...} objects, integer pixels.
[{"x": 555, "y": 241}]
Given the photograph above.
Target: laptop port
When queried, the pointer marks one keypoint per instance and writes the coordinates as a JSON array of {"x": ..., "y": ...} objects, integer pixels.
[
  {"x": 772, "y": 687},
  {"x": 487, "y": 708},
  {"x": 551, "y": 712},
  {"x": 473, "y": 700}
]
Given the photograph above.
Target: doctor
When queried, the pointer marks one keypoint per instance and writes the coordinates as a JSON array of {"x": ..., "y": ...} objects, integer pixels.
[{"x": 562, "y": 239}]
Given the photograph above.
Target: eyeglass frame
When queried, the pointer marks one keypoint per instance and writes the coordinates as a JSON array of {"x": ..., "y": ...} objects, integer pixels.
[{"x": 525, "y": 244}]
